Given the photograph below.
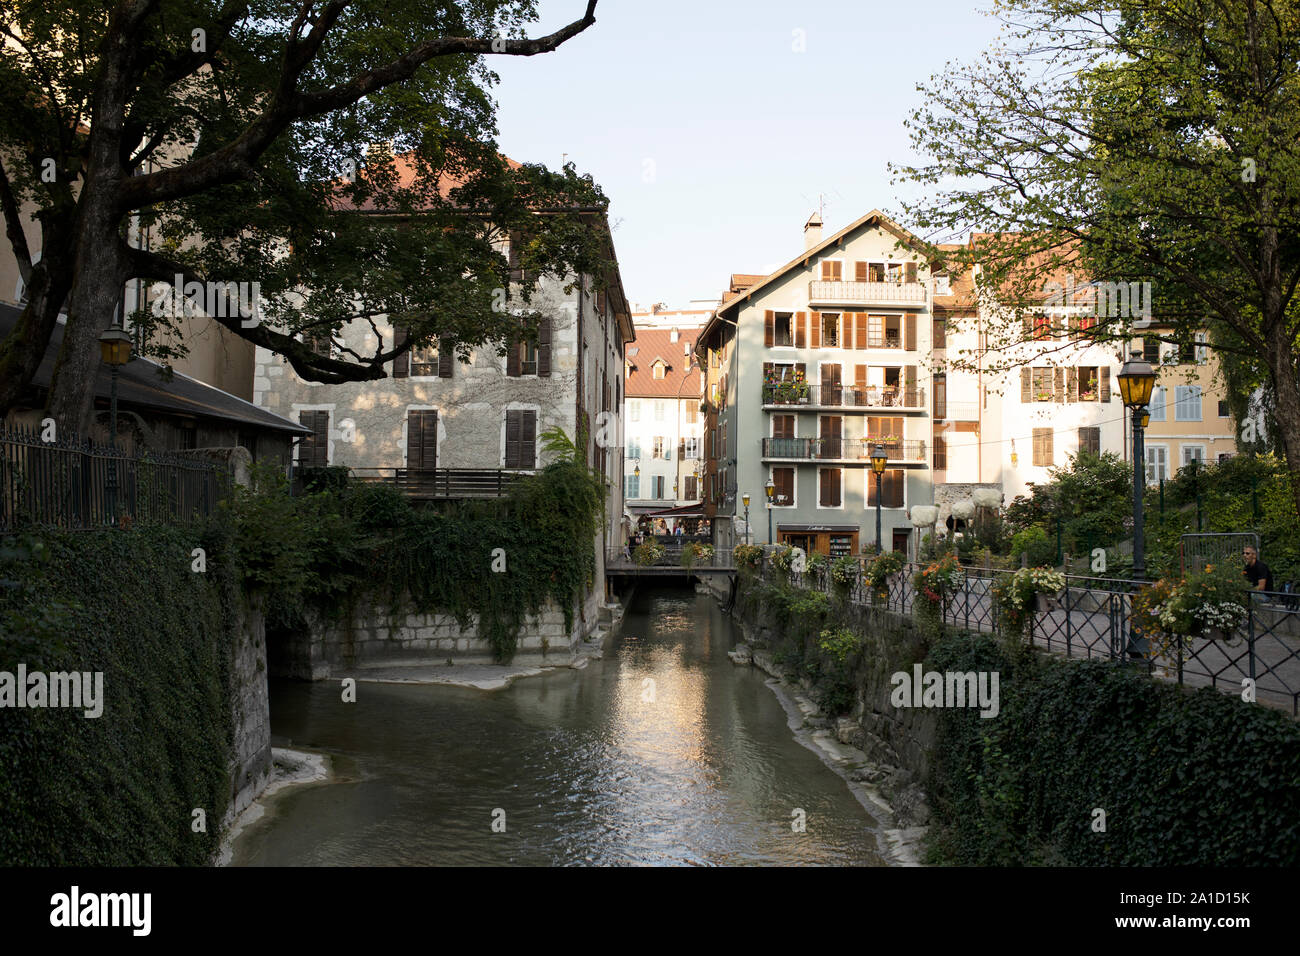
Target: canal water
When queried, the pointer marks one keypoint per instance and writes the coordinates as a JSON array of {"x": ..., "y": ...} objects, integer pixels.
[{"x": 662, "y": 753}]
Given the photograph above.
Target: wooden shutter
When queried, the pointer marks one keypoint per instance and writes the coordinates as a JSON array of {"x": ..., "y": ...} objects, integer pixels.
[
  {"x": 1058, "y": 385},
  {"x": 528, "y": 439},
  {"x": 859, "y": 385},
  {"x": 1104, "y": 374},
  {"x": 514, "y": 422},
  {"x": 801, "y": 330},
  {"x": 893, "y": 488},
  {"x": 681, "y": 449},
  {"x": 909, "y": 387},
  {"x": 544, "y": 348},
  {"x": 860, "y": 318},
  {"x": 313, "y": 450},
  {"x": 769, "y": 328},
  {"x": 1028, "y": 324},
  {"x": 909, "y": 271},
  {"x": 815, "y": 330},
  {"x": 846, "y": 330},
  {"x": 1072, "y": 384},
  {"x": 422, "y": 440},
  {"x": 782, "y": 426},
  {"x": 402, "y": 363},
  {"x": 824, "y": 475},
  {"x": 512, "y": 359},
  {"x": 445, "y": 356},
  {"x": 859, "y": 272},
  {"x": 1026, "y": 385},
  {"x": 909, "y": 332}
]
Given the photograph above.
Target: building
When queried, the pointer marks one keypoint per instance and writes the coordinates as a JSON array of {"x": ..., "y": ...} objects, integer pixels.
[
  {"x": 814, "y": 366},
  {"x": 664, "y": 423},
  {"x": 443, "y": 428}
]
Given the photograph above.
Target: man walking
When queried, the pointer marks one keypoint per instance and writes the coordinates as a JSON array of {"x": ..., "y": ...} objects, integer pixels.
[{"x": 1256, "y": 571}]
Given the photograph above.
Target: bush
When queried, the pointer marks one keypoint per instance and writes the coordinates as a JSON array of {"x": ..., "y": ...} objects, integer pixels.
[{"x": 1039, "y": 550}]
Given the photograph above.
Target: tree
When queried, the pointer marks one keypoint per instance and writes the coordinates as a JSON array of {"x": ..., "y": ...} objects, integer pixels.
[
  {"x": 1147, "y": 141},
  {"x": 255, "y": 139}
]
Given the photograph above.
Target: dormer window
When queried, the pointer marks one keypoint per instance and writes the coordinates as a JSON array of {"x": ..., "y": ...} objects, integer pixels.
[{"x": 659, "y": 369}]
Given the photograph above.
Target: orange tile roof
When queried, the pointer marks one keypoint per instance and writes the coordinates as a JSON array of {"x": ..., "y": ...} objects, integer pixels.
[
  {"x": 407, "y": 171},
  {"x": 654, "y": 344}
]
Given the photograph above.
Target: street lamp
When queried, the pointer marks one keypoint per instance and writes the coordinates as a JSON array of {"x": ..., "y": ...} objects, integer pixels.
[
  {"x": 745, "y": 499},
  {"x": 770, "y": 489},
  {"x": 1136, "y": 380},
  {"x": 115, "y": 350},
  {"x": 879, "y": 459}
]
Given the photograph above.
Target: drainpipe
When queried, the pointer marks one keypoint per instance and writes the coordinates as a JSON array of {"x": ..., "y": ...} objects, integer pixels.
[{"x": 577, "y": 420}]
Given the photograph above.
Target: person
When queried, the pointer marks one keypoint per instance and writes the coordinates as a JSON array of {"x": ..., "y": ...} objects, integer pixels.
[
  {"x": 678, "y": 531},
  {"x": 1256, "y": 571}
]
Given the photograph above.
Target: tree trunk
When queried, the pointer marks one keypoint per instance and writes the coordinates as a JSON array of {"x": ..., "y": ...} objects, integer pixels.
[
  {"x": 1286, "y": 385},
  {"x": 21, "y": 352}
]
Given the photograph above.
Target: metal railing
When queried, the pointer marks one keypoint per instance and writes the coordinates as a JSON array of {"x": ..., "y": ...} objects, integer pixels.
[
  {"x": 866, "y": 293},
  {"x": 867, "y": 397},
  {"x": 1090, "y": 618},
  {"x": 81, "y": 485},
  {"x": 443, "y": 482},
  {"x": 841, "y": 449}
]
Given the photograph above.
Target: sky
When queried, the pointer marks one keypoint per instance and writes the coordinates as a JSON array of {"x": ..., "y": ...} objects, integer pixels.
[{"x": 712, "y": 132}]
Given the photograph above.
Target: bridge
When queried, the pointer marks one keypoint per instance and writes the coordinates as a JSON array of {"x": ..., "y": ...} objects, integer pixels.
[{"x": 618, "y": 564}]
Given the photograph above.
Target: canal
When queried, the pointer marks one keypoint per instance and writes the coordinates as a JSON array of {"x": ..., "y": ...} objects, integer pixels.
[{"x": 664, "y": 752}]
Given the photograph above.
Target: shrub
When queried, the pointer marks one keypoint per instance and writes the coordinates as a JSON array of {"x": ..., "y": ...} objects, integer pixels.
[
  {"x": 748, "y": 556},
  {"x": 1039, "y": 550}
]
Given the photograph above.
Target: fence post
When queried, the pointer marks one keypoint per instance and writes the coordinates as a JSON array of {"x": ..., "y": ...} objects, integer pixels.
[{"x": 1069, "y": 622}]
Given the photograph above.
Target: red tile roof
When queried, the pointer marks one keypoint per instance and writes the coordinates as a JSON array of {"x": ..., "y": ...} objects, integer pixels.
[
  {"x": 407, "y": 172},
  {"x": 654, "y": 344}
]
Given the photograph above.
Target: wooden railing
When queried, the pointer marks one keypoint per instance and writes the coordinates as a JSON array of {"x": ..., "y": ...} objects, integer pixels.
[{"x": 443, "y": 482}]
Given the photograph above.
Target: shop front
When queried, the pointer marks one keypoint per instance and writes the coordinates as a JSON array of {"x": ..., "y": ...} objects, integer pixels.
[{"x": 834, "y": 541}]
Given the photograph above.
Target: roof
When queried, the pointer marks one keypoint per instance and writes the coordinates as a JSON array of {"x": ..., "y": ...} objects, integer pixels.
[
  {"x": 657, "y": 344},
  {"x": 407, "y": 171},
  {"x": 140, "y": 386}
]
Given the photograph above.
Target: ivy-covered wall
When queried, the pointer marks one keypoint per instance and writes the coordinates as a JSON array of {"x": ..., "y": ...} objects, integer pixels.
[{"x": 120, "y": 788}]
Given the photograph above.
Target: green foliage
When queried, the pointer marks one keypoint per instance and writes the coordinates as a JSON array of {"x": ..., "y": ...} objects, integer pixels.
[
  {"x": 748, "y": 556},
  {"x": 648, "y": 553},
  {"x": 880, "y": 568},
  {"x": 839, "y": 643},
  {"x": 118, "y": 789},
  {"x": 1186, "y": 778},
  {"x": 1033, "y": 542}
]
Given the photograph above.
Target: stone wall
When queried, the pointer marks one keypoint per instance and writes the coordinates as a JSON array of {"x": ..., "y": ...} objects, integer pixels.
[{"x": 250, "y": 768}]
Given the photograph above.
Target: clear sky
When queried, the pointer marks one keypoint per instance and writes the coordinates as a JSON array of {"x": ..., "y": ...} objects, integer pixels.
[{"x": 713, "y": 135}]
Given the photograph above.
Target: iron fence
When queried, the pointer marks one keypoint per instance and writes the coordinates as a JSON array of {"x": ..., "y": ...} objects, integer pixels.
[
  {"x": 80, "y": 485},
  {"x": 1089, "y": 618}
]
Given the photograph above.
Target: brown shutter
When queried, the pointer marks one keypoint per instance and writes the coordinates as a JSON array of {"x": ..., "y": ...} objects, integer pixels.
[
  {"x": 909, "y": 386},
  {"x": 860, "y": 318},
  {"x": 859, "y": 385},
  {"x": 846, "y": 330},
  {"x": 801, "y": 330},
  {"x": 512, "y": 359},
  {"x": 445, "y": 355},
  {"x": 528, "y": 439},
  {"x": 910, "y": 271},
  {"x": 859, "y": 272},
  {"x": 894, "y": 488},
  {"x": 1058, "y": 385},
  {"x": 513, "y": 423},
  {"x": 1048, "y": 451},
  {"x": 823, "y": 476},
  {"x": 402, "y": 362},
  {"x": 544, "y": 348},
  {"x": 769, "y": 328},
  {"x": 313, "y": 450},
  {"x": 1028, "y": 324},
  {"x": 802, "y": 367},
  {"x": 815, "y": 330},
  {"x": 826, "y": 272},
  {"x": 909, "y": 332},
  {"x": 1072, "y": 384},
  {"x": 1026, "y": 395},
  {"x": 1104, "y": 373},
  {"x": 422, "y": 440},
  {"x": 681, "y": 449}
]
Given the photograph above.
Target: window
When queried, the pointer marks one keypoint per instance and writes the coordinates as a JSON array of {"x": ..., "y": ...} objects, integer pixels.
[
  {"x": 658, "y": 447},
  {"x": 1186, "y": 353},
  {"x": 1042, "y": 327},
  {"x": 830, "y": 330},
  {"x": 1159, "y": 398},
  {"x": 633, "y": 410},
  {"x": 783, "y": 484},
  {"x": 885, "y": 428},
  {"x": 634, "y": 448},
  {"x": 942, "y": 286},
  {"x": 891, "y": 488},
  {"x": 660, "y": 409},
  {"x": 940, "y": 395},
  {"x": 1089, "y": 383},
  {"x": 783, "y": 334},
  {"x": 1090, "y": 440},
  {"x": 691, "y": 448},
  {"x": 633, "y": 484},
  {"x": 1081, "y": 325},
  {"x": 1042, "y": 385},
  {"x": 1223, "y": 409},
  {"x": 1043, "y": 448},
  {"x": 424, "y": 361},
  {"x": 1151, "y": 350},
  {"x": 724, "y": 440},
  {"x": 940, "y": 454},
  {"x": 831, "y": 492},
  {"x": 1157, "y": 463},
  {"x": 832, "y": 271},
  {"x": 692, "y": 488},
  {"x": 314, "y": 449},
  {"x": 422, "y": 440},
  {"x": 522, "y": 359},
  {"x": 1193, "y": 453},
  {"x": 521, "y": 439},
  {"x": 657, "y": 483},
  {"x": 1187, "y": 403},
  {"x": 659, "y": 369},
  {"x": 692, "y": 412},
  {"x": 940, "y": 333}
]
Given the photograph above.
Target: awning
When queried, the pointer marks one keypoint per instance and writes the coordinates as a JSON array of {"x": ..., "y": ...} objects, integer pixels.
[
  {"x": 809, "y": 528},
  {"x": 695, "y": 510}
]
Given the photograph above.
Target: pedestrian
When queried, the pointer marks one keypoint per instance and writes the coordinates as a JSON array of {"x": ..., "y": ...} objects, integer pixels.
[{"x": 1256, "y": 571}]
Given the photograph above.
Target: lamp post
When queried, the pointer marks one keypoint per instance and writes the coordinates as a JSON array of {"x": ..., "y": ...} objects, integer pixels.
[
  {"x": 770, "y": 489},
  {"x": 745, "y": 498},
  {"x": 1136, "y": 380},
  {"x": 879, "y": 459},
  {"x": 115, "y": 350}
]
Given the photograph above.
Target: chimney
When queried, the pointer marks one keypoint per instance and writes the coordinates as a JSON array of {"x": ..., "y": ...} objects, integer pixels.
[
  {"x": 672, "y": 336},
  {"x": 812, "y": 231}
]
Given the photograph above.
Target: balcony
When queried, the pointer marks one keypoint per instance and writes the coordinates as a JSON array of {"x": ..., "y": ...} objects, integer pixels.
[
  {"x": 847, "y": 294},
  {"x": 842, "y": 450},
  {"x": 869, "y": 399},
  {"x": 443, "y": 482}
]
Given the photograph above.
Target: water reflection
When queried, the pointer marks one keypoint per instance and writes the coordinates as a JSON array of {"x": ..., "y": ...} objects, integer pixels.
[{"x": 663, "y": 753}]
